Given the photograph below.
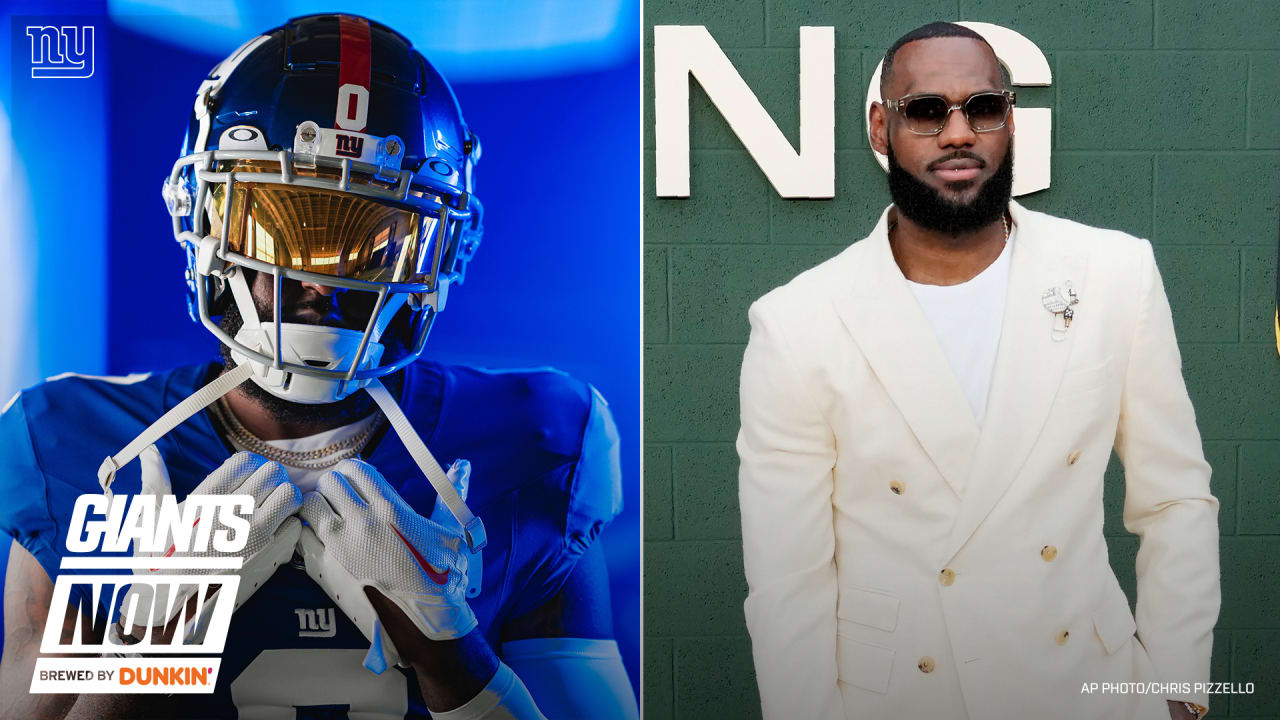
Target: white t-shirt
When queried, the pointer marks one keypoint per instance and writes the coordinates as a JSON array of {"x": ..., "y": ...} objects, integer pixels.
[{"x": 967, "y": 319}]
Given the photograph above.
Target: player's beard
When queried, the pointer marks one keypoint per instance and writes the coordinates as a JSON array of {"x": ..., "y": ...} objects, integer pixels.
[
  {"x": 349, "y": 409},
  {"x": 926, "y": 207}
]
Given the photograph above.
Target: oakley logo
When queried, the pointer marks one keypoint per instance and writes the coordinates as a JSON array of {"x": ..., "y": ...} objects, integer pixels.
[
  {"x": 65, "y": 52},
  {"x": 316, "y": 623},
  {"x": 350, "y": 145}
]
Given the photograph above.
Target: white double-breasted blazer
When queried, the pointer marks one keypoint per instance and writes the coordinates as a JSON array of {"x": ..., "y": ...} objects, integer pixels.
[{"x": 904, "y": 562}]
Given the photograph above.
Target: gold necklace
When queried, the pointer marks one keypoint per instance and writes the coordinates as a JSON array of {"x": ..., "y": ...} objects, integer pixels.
[{"x": 317, "y": 459}]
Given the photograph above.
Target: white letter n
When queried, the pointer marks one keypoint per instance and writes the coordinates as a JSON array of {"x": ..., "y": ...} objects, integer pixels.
[{"x": 681, "y": 50}]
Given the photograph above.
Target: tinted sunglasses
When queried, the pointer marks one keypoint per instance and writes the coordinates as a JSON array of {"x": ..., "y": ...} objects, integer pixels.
[{"x": 927, "y": 114}]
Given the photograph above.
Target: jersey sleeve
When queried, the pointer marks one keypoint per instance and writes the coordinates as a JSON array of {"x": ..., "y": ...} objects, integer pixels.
[
  {"x": 39, "y": 452},
  {"x": 595, "y": 494},
  {"x": 582, "y": 498},
  {"x": 24, "y": 513}
]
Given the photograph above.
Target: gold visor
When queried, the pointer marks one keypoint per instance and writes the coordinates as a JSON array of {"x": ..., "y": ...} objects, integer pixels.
[{"x": 324, "y": 231}]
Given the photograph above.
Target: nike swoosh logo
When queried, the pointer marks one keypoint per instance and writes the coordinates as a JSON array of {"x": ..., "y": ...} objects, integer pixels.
[{"x": 437, "y": 577}]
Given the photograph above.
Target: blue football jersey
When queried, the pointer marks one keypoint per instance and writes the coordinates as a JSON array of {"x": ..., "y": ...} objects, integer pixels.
[{"x": 545, "y": 480}]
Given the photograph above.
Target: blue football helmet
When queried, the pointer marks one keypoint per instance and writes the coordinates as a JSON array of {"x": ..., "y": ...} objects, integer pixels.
[{"x": 330, "y": 152}]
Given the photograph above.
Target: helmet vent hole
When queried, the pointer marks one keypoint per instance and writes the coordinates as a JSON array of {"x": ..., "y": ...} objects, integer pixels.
[{"x": 317, "y": 363}]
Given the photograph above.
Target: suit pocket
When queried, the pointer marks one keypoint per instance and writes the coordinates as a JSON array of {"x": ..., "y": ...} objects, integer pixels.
[
  {"x": 864, "y": 665},
  {"x": 868, "y": 607},
  {"x": 1114, "y": 624}
]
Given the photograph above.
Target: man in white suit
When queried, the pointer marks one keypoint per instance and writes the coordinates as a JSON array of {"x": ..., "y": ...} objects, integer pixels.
[{"x": 926, "y": 419}]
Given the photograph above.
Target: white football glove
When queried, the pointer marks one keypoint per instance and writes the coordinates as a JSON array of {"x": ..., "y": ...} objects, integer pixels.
[
  {"x": 361, "y": 533},
  {"x": 273, "y": 531}
]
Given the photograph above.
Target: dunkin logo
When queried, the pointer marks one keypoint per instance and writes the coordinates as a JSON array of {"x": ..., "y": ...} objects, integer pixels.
[{"x": 166, "y": 676}]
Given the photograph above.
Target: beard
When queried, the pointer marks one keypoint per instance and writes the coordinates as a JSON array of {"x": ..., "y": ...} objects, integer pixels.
[
  {"x": 926, "y": 207},
  {"x": 349, "y": 409}
]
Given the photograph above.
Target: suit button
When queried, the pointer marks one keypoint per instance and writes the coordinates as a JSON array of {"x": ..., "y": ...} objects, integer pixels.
[
  {"x": 896, "y": 487},
  {"x": 1048, "y": 552},
  {"x": 925, "y": 664},
  {"x": 1062, "y": 636},
  {"x": 1073, "y": 457},
  {"x": 947, "y": 576}
]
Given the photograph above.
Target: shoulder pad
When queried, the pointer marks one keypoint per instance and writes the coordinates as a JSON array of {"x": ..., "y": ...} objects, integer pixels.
[{"x": 595, "y": 493}]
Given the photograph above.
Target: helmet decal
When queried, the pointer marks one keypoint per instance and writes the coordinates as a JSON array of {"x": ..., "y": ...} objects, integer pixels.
[
  {"x": 242, "y": 137},
  {"x": 353, "y": 74}
]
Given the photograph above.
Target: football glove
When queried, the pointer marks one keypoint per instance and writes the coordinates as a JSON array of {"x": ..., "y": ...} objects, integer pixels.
[
  {"x": 360, "y": 533},
  {"x": 273, "y": 532}
]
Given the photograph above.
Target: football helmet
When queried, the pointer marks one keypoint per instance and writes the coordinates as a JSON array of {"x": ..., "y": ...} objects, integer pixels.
[{"x": 330, "y": 152}]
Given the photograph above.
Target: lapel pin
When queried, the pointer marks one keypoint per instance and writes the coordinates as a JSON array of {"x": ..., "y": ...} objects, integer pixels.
[{"x": 1059, "y": 301}]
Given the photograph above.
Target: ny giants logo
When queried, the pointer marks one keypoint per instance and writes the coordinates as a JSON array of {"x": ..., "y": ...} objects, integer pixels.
[
  {"x": 349, "y": 145},
  {"x": 65, "y": 52},
  {"x": 316, "y": 623}
]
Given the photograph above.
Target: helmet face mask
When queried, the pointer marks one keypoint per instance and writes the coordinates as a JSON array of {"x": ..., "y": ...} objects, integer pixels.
[
  {"x": 324, "y": 231},
  {"x": 328, "y": 206},
  {"x": 321, "y": 328}
]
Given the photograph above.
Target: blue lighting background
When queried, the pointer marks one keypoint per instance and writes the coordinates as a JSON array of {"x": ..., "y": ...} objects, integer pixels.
[{"x": 94, "y": 279}]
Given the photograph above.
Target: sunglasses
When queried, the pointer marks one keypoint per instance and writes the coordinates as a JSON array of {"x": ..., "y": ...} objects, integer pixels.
[{"x": 927, "y": 114}]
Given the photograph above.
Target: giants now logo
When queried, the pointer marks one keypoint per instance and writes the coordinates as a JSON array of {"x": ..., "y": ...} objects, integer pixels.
[
  {"x": 349, "y": 145},
  {"x": 169, "y": 542}
]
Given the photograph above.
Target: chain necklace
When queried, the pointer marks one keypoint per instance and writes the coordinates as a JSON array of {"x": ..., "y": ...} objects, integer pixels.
[{"x": 317, "y": 459}]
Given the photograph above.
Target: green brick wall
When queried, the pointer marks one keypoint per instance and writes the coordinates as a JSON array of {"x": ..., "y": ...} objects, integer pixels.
[{"x": 1166, "y": 124}]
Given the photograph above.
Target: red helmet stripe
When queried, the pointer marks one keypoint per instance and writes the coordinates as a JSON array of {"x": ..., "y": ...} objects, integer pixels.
[{"x": 353, "y": 69}]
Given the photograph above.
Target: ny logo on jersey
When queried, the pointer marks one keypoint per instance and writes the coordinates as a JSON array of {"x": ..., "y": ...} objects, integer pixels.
[
  {"x": 315, "y": 623},
  {"x": 349, "y": 145},
  {"x": 65, "y": 52}
]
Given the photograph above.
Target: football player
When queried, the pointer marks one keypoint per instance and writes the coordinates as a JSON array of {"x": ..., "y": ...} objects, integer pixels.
[{"x": 324, "y": 197}]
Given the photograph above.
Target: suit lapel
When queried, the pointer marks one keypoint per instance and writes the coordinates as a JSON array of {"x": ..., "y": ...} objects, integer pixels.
[
  {"x": 1029, "y": 367},
  {"x": 895, "y": 336}
]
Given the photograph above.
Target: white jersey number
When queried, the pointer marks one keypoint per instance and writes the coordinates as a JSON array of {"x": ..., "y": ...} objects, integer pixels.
[{"x": 353, "y": 107}]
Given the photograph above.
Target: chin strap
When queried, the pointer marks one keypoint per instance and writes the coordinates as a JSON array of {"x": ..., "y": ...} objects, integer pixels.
[
  {"x": 178, "y": 414},
  {"x": 472, "y": 528}
]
